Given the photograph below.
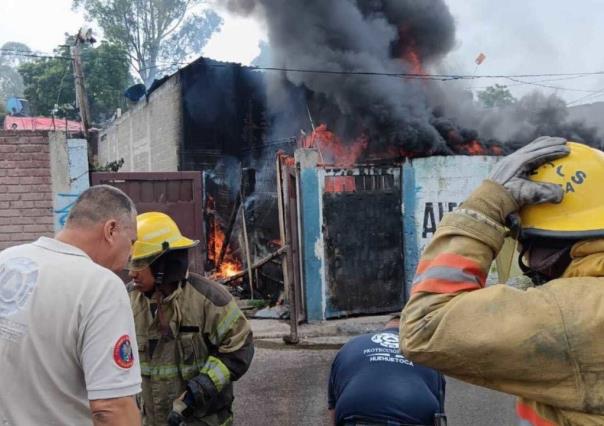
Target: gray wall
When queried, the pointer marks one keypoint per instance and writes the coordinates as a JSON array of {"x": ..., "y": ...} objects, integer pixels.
[
  {"x": 147, "y": 136},
  {"x": 69, "y": 174}
]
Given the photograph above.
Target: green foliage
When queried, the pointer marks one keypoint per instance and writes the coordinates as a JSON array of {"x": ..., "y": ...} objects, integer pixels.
[
  {"x": 496, "y": 96},
  {"x": 11, "y": 83},
  {"x": 155, "y": 33},
  {"x": 112, "y": 166},
  {"x": 106, "y": 69},
  {"x": 49, "y": 82}
]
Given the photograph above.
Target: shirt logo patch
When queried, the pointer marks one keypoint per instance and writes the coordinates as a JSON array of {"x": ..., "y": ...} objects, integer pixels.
[
  {"x": 387, "y": 340},
  {"x": 122, "y": 352},
  {"x": 18, "y": 278}
]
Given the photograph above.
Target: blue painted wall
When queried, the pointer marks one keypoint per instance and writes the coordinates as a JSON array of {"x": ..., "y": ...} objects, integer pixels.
[
  {"x": 311, "y": 234},
  {"x": 69, "y": 184},
  {"x": 410, "y": 248}
]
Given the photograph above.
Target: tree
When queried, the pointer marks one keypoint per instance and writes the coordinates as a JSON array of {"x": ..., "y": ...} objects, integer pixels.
[
  {"x": 157, "y": 34},
  {"x": 49, "y": 81},
  {"x": 107, "y": 73},
  {"x": 12, "y": 55},
  {"x": 496, "y": 96}
]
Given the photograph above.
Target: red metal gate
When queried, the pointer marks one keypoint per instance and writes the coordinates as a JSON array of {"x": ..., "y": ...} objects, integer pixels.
[{"x": 178, "y": 194}]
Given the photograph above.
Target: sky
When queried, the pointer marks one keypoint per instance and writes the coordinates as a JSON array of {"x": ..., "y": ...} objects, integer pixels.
[{"x": 517, "y": 37}]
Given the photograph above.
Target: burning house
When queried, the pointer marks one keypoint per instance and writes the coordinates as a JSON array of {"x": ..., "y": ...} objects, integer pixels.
[{"x": 344, "y": 152}]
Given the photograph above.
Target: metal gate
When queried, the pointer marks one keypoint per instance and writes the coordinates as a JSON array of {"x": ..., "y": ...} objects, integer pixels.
[
  {"x": 178, "y": 194},
  {"x": 363, "y": 231}
]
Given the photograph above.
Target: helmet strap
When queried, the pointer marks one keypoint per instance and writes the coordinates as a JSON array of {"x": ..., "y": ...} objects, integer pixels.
[
  {"x": 536, "y": 277},
  {"x": 547, "y": 260},
  {"x": 159, "y": 271},
  {"x": 159, "y": 268}
]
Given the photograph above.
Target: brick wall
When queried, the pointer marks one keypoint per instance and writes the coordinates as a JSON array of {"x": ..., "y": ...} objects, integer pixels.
[{"x": 25, "y": 188}]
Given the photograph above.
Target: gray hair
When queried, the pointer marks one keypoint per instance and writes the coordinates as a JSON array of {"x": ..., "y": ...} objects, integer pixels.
[{"x": 99, "y": 204}]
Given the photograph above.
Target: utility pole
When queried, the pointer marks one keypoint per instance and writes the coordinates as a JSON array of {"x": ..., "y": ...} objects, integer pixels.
[{"x": 83, "y": 36}]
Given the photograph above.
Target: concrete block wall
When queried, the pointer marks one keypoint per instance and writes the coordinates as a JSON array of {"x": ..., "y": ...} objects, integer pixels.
[
  {"x": 432, "y": 187},
  {"x": 25, "y": 188},
  {"x": 147, "y": 136}
]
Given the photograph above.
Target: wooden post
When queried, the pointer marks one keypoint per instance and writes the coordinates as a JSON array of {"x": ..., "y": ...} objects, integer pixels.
[
  {"x": 281, "y": 211},
  {"x": 283, "y": 202},
  {"x": 256, "y": 265},
  {"x": 80, "y": 87},
  {"x": 248, "y": 256}
]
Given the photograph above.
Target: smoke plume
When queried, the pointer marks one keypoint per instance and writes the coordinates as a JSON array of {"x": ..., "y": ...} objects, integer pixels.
[{"x": 404, "y": 115}]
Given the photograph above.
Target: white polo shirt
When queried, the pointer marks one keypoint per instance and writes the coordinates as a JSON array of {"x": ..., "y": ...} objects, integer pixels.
[{"x": 66, "y": 335}]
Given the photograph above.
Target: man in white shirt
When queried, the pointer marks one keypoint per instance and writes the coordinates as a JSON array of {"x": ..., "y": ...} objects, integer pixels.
[{"x": 68, "y": 352}]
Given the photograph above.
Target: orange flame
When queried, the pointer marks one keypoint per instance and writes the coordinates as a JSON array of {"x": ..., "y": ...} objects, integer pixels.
[
  {"x": 230, "y": 265},
  {"x": 497, "y": 150},
  {"x": 410, "y": 54},
  {"x": 474, "y": 148},
  {"x": 286, "y": 159},
  {"x": 228, "y": 269},
  {"x": 332, "y": 149},
  {"x": 415, "y": 63}
]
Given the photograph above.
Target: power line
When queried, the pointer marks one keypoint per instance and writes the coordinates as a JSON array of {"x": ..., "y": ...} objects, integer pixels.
[
  {"x": 548, "y": 80},
  {"x": 408, "y": 76},
  {"x": 587, "y": 97},
  {"x": 33, "y": 55},
  {"x": 359, "y": 73},
  {"x": 547, "y": 86}
]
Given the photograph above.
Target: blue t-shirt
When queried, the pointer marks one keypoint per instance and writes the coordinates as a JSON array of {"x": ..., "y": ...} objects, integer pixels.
[{"x": 370, "y": 379}]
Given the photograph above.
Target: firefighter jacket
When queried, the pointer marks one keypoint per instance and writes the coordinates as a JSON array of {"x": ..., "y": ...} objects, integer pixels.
[
  {"x": 208, "y": 337},
  {"x": 543, "y": 344}
]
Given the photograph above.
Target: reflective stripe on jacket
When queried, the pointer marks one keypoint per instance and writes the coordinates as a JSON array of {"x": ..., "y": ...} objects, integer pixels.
[
  {"x": 542, "y": 345},
  {"x": 208, "y": 335}
]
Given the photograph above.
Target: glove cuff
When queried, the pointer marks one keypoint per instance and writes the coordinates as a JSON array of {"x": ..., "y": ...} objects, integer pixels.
[
  {"x": 202, "y": 389},
  {"x": 492, "y": 200}
]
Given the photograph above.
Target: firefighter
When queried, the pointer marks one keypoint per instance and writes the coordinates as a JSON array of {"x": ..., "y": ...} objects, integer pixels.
[
  {"x": 193, "y": 339},
  {"x": 543, "y": 344}
]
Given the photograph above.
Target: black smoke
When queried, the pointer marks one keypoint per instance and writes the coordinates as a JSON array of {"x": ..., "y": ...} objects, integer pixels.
[{"x": 410, "y": 115}]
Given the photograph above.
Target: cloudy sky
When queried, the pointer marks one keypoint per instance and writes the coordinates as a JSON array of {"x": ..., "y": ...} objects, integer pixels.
[{"x": 518, "y": 37}]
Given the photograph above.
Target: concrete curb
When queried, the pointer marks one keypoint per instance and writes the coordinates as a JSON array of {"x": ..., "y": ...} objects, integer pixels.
[
  {"x": 268, "y": 334},
  {"x": 280, "y": 345}
]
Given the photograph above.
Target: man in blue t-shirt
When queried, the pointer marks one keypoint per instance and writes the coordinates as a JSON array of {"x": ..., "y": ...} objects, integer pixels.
[{"x": 372, "y": 383}]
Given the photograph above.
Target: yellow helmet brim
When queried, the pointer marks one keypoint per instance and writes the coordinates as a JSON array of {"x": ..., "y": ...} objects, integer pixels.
[
  {"x": 144, "y": 254},
  {"x": 580, "y": 214}
]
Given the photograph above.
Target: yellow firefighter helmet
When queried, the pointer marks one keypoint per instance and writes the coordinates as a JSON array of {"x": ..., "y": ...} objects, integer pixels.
[
  {"x": 157, "y": 233},
  {"x": 581, "y": 212}
]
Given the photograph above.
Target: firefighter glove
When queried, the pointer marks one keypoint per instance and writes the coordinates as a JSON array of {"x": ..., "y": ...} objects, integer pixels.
[
  {"x": 180, "y": 410},
  {"x": 512, "y": 171}
]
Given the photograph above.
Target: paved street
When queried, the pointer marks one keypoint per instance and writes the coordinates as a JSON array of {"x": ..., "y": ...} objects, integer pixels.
[{"x": 288, "y": 387}]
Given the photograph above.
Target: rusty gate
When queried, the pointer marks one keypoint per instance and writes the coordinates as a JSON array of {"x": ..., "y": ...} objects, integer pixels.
[
  {"x": 363, "y": 232},
  {"x": 178, "y": 194}
]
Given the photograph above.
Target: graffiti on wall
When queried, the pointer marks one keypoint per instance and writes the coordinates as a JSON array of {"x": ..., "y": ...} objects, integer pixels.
[
  {"x": 65, "y": 201},
  {"x": 73, "y": 179},
  {"x": 434, "y": 213},
  {"x": 441, "y": 184}
]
